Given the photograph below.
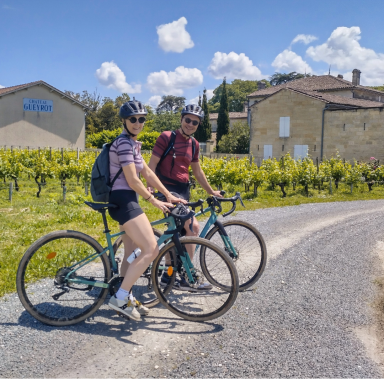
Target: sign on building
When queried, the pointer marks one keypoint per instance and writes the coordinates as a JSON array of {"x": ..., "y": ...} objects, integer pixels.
[{"x": 38, "y": 105}]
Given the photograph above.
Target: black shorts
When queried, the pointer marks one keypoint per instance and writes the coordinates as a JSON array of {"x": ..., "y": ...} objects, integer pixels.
[
  {"x": 129, "y": 207},
  {"x": 179, "y": 191}
]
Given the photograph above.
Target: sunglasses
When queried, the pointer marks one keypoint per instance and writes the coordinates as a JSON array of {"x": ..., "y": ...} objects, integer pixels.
[
  {"x": 189, "y": 121},
  {"x": 134, "y": 119}
]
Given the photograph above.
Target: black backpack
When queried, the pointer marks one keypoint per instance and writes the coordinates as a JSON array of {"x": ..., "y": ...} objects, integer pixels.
[
  {"x": 163, "y": 156},
  {"x": 101, "y": 187}
]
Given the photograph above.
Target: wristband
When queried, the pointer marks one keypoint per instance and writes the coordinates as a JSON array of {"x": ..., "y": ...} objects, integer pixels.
[{"x": 149, "y": 197}]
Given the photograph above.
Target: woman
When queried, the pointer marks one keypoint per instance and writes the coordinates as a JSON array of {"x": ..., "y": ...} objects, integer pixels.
[{"x": 125, "y": 154}]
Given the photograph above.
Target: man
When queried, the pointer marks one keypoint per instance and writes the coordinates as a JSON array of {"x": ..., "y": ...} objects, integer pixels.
[{"x": 173, "y": 170}]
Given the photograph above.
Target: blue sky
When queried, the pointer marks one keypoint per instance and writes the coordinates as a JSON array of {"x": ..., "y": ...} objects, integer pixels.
[{"x": 152, "y": 48}]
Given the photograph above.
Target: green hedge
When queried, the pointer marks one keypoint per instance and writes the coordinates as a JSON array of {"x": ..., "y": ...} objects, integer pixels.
[{"x": 96, "y": 140}]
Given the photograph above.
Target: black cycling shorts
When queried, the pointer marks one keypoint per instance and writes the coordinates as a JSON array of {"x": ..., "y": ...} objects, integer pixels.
[
  {"x": 129, "y": 207},
  {"x": 179, "y": 191}
]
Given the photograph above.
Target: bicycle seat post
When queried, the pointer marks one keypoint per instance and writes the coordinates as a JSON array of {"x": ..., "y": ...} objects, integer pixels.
[{"x": 106, "y": 229}]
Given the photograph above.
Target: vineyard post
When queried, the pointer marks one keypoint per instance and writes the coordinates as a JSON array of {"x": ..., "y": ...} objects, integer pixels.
[
  {"x": 64, "y": 192},
  {"x": 50, "y": 153},
  {"x": 28, "y": 149},
  {"x": 62, "y": 154},
  {"x": 77, "y": 154},
  {"x": 317, "y": 164},
  {"x": 10, "y": 191},
  {"x": 39, "y": 150},
  {"x": 330, "y": 185},
  {"x": 11, "y": 148},
  {"x": 351, "y": 187}
]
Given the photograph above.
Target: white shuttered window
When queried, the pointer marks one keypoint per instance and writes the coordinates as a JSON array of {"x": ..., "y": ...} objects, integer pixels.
[
  {"x": 300, "y": 151},
  {"x": 267, "y": 151},
  {"x": 284, "y": 126}
]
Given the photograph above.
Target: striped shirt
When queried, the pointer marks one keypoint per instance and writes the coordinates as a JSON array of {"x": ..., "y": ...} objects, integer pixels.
[
  {"x": 124, "y": 151},
  {"x": 183, "y": 153}
]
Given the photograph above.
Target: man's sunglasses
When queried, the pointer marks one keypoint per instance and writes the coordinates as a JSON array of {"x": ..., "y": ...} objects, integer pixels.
[
  {"x": 189, "y": 121},
  {"x": 140, "y": 119}
]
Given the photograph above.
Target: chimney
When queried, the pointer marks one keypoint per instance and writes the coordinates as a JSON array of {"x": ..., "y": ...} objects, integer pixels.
[
  {"x": 340, "y": 76},
  {"x": 245, "y": 106},
  {"x": 260, "y": 85},
  {"x": 356, "y": 77}
]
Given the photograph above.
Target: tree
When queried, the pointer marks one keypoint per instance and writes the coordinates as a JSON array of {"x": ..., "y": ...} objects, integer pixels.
[
  {"x": 237, "y": 139},
  {"x": 223, "y": 117},
  {"x": 282, "y": 78},
  {"x": 237, "y": 94},
  {"x": 120, "y": 100},
  {"x": 378, "y": 88},
  {"x": 199, "y": 100},
  {"x": 204, "y": 132},
  {"x": 166, "y": 121},
  {"x": 170, "y": 104}
]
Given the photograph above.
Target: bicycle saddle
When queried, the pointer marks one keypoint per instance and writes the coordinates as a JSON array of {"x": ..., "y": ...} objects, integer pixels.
[{"x": 100, "y": 206}]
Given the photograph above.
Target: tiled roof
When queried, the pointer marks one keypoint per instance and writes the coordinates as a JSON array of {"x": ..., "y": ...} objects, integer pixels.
[
  {"x": 333, "y": 99},
  {"x": 232, "y": 115},
  {"x": 16, "y": 87},
  {"x": 7, "y": 90},
  {"x": 314, "y": 83}
]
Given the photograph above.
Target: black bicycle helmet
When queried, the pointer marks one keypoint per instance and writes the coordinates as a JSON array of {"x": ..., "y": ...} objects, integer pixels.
[
  {"x": 132, "y": 107},
  {"x": 193, "y": 109}
]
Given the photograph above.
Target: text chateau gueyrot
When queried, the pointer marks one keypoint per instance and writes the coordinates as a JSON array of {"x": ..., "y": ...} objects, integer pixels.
[{"x": 38, "y": 105}]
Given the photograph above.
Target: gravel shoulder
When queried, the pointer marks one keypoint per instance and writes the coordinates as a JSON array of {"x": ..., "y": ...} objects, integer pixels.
[{"x": 313, "y": 314}]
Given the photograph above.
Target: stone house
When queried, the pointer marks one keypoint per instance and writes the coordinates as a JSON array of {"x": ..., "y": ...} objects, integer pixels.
[
  {"x": 233, "y": 117},
  {"x": 39, "y": 115},
  {"x": 317, "y": 116}
]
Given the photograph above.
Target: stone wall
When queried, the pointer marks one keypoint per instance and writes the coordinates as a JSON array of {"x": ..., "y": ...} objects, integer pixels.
[
  {"x": 305, "y": 124},
  {"x": 356, "y": 134}
]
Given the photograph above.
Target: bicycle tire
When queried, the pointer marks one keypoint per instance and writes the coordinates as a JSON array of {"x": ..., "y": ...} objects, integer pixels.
[
  {"x": 248, "y": 242},
  {"x": 189, "y": 305},
  {"x": 40, "y": 266},
  {"x": 141, "y": 289}
]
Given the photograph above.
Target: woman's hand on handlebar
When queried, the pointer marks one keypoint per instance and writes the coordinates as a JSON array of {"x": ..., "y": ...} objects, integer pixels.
[
  {"x": 172, "y": 199},
  {"x": 216, "y": 193},
  {"x": 161, "y": 205}
]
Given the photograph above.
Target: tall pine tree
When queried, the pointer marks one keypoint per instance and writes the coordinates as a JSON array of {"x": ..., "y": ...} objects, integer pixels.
[
  {"x": 223, "y": 117},
  {"x": 206, "y": 125},
  {"x": 203, "y": 133}
]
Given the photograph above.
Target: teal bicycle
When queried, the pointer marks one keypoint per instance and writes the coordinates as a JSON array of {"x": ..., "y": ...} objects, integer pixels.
[
  {"x": 241, "y": 241},
  {"x": 65, "y": 276}
]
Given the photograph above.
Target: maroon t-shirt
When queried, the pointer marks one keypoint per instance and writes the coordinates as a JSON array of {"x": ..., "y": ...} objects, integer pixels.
[{"x": 183, "y": 152}]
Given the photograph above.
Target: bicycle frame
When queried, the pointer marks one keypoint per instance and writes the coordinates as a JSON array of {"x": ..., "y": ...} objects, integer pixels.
[
  {"x": 213, "y": 221},
  {"x": 171, "y": 228}
]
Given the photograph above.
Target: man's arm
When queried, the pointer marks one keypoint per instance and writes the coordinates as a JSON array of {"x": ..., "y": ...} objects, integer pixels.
[
  {"x": 202, "y": 180},
  {"x": 152, "y": 166}
]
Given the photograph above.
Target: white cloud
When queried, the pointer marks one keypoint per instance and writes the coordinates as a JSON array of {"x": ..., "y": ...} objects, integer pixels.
[
  {"x": 233, "y": 66},
  {"x": 174, "y": 83},
  {"x": 343, "y": 52},
  {"x": 110, "y": 75},
  {"x": 289, "y": 61},
  {"x": 154, "y": 101},
  {"x": 209, "y": 93},
  {"x": 306, "y": 39},
  {"x": 173, "y": 37},
  {"x": 2, "y": 86},
  {"x": 195, "y": 100}
]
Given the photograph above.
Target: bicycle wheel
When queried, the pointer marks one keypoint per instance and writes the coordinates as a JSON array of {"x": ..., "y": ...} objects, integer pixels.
[
  {"x": 201, "y": 305},
  {"x": 44, "y": 267},
  {"x": 143, "y": 288},
  {"x": 250, "y": 248}
]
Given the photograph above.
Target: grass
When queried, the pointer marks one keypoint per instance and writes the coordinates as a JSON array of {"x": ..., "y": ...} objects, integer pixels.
[{"x": 27, "y": 218}]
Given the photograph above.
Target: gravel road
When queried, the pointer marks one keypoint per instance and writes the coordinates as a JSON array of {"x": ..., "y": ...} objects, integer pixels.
[{"x": 311, "y": 315}]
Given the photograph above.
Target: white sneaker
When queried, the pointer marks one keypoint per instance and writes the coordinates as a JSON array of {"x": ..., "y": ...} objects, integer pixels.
[{"x": 126, "y": 307}]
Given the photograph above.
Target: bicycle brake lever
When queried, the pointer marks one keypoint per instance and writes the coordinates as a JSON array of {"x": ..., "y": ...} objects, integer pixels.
[{"x": 241, "y": 201}]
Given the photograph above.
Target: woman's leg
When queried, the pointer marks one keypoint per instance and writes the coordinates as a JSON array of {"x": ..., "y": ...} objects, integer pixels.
[
  {"x": 129, "y": 246},
  {"x": 139, "y": 229}
]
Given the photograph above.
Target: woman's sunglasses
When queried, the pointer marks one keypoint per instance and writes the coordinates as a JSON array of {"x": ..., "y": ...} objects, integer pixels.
[
  {"x": 194, "y": 122},
  {"x": 140, "y": 119}
]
